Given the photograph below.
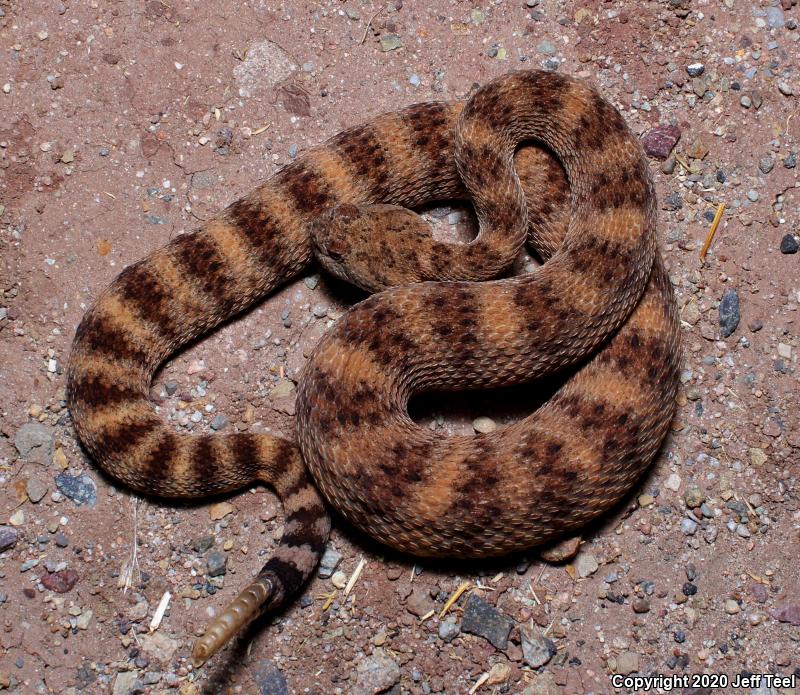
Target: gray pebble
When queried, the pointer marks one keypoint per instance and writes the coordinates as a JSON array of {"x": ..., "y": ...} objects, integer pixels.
[
  {"x": 752, "y": 195},
  {"x": 695, "y": 69},
  {"x": 293, "y": 150},
  {"x": 790, "y": 162},
  {"x": 546, "y": 47},
  {"x": 448, "y": 630},
  {"x": 268, "y": 679},
  {"x": 61, "y": 540},
  {"x": 171, "y": 387},
  {"x": 729, "y": 315},
  {"x": 785, "y": 88},
  {"x": 775, "y": 17},
  {"x": 765, "y": 164},
  {"x": 217, "y": 562},
  {"x": 29, "y": 564},
  {"x": 536, "y": 649},
  {"x": 742, "y": 530},
  {"x": 311, "y": 281},
  {"x": 36, "y": 489},
  {"x": 375, "y": 674},
  {"x": 329, "y": 562},
  {"x": 8, "y": 537},
  {"x": 320, "y": 311},
  {"x": 745, "y": 101},
  {"x": 414, "y": 80},
  {"x": 688, "y": 527},
  {"x": 485, "y": 621},
  {"x": 34, "y": 442},
  {"x": 219, "y": 422},
  {"x": 81, "y": 489}
]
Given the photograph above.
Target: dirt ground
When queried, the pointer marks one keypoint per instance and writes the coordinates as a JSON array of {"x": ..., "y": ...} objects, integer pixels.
[{"x": 125, "y": 122}]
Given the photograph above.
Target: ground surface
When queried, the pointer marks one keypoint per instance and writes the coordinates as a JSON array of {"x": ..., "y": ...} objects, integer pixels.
[{"x": 126, "y": 122}]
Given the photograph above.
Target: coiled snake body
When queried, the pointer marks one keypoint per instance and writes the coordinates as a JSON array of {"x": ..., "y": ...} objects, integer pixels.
[{"x": 602, "y": 297}]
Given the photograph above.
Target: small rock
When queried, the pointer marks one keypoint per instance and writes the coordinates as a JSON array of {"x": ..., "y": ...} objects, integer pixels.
[
  {"x": 695, "y": 69},
  {"x": 339, "y": 580},
  {"x": 562, "y": 551},
  {"x": 485, "y": 621},
  {"x": 787, "y": 613},
  {"x": 269, "y": 680},
  {"x": 449, "y": 630},
  {"x": 8, "y": 537},
  {"x": 745, "y": 101},
  {"x": 641, "y": 604},
  {"x": 546, "y": 47},
  {"x": 775, "y": 17},
  {"x": 220, "y": 510},
  {"x": 673, "y": 482},
  {"x": 36, "y": 489},
  {"x": 390, "y": 42},
  {"x": 789, "y": 244},
  {"x": 659, "y": 141},
  {"x": 376, "y": 674},
  {"x": 731, "y": 607},
  {"x": 755, "y": 325},
  {"x": 217, "y": 562},
  {"x": 484, "y": 425},
  {"x": 694, "y": 497},
  {"x": 311, "y": 281},
  {"x": 160, "y": 646},
  {"x": 127, "y": 683},
  {"x": 790, "y": 161},
  {"x": 752, "y": 195},
  {"x": 536, "y": 649},
  {"x": 34, "y": 442},
  {"x": 84, "y": 619},
  {"x": 419, "y": 602},
  {"x": 81, "y": 489},
  {"x": 219, "y": 422},
  {"x": 542, "y": 684},
  {"x": 17, "y": 518},
  {"x": 585, "y": 565},
  {"x": 60, "y": 582},
  {"x": 784, "y": 351},
  {"x": 329, "y": 562},
  {"x": 785, "y": 88},
  {"x": 729, "y": 312},
  {"x": 688, "y": 527},
  {"x": 320, "y": 311},
  {"x": 171, "y": 387},
  {"x": 765, "y": 164},
  {"x": 627, "y": 663}
]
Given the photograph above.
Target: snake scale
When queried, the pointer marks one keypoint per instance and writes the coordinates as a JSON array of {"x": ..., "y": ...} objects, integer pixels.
[{"x": 602, "y": 302}]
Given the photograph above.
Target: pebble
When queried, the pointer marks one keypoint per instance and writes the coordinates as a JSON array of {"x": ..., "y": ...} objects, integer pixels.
[
  {"x": 339, "y": 580},
  {"x": 745, "y": 101},
  {"x": 36, "y": 489},
  {"x": 268, "y": 679},
  {"x": 17, "y": 518},
  {"x": 81, "y": 489},
  {"x": 29, "y": 564},
  {"x": 640, "y": 605},
  {"x": 329, "y": 562},
  {"x": 376, "y": 674},
  {"x": 486, "y": 621},
  {"x": 694, "y": 497},
  {"x": 8, "y": 537},
  {"x": 171, "y": 387},
  {"x": 695, "y": 69},
  {"x": 789, "y": 244},
  {"x": 560, "y": 552},
  {"x": 217, "y": 562},
  {"x": 787, "y": 613},
  {"x": 542, "y": 684},
  {"x": 484, "y": 425},
  {"x": 775, "y": 17},
  {"x": 689, "y": 589},
  {"x": 311, "y": 281},
  {"x": 536, "y": 649},
  {"x": 585, "y": 565},
  {"x": 449, "y": 629},
  {"x": 785, "y": 88},
  {"x": 790, "y": 161},
  {"x": 60, "y": 582},
  {"x": 219, "y": 422},
  {"x": 320, "y": 311},
  {"x": 414, "y": 80},
  {"x": 765, "y": 164},
  {"x": 220, "y": 510},
  {"x": 659, "y": 141},
  {"x": 731, "y": 607},
  {"x": 546, "y": 47},
  {"x": 752, "y": 195},
  {"x": 688, "y": 527},
  {"x": 729, "y": 312},
  {"x": 390, "y": 42},
  {"x": 34, "y": 442},
  {"x": 627, "y": 663},
  {"x": 127, "y": 683},
  {"x": 419, "y": 602},
  {"x": 673, "y": 482}
]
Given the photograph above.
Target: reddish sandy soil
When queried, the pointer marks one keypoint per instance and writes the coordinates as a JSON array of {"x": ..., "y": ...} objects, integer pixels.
[{"x": 127, "y": 122}]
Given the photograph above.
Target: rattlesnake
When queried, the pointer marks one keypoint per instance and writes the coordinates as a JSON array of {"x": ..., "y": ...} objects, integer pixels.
[{"x": 461, "y": 496}]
